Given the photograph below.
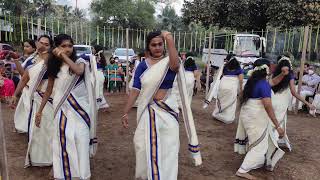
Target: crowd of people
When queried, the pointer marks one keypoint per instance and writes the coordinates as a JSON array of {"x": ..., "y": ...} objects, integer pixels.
[{"x": 56, "y": 96}]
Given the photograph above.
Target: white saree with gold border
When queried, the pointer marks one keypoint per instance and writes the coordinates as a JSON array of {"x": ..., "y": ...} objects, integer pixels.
[
  {"x": 23, "y": 107},
  {"x": 280, "y": 104},
  {"x": 75, "y": 124},
  {"x": 157, "y": 135},
  {"x": 226, "y": 103},
  {"x": 39, "y": 151},
  {"x": 256, "y": 138},
  {"x": 98, "y": 78}
]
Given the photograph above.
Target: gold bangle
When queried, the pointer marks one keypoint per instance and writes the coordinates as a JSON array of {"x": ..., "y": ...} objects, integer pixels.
[{"x": 124, "y": 115}]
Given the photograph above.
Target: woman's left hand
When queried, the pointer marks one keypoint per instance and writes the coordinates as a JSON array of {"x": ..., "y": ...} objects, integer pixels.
[
  {"x": 165, "y": 34},
  {"x": 58, "y": 52},
  {"x": 38, "y": 119},
  {"x": 312, "y": 107}
]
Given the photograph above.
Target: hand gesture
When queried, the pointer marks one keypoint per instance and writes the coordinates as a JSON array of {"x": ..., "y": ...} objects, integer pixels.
[
  {"x": 280, "y": 132},
  {"x": 164, "y": 34},
  {"x": 124, "y": 121},
  {"x": 38, "y": 119},
  {"x": 312, "y": 107},
  {"x": 13, "y": 101},
  {"x": 58, "y": 52}
]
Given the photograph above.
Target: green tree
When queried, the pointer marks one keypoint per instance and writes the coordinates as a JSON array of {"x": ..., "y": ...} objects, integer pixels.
[
  {"x": 169, "y": 20},
  {"x": 126, "y": 13},
  {"x": 251, "y": 14},
  {"x": 44, "y": 7}
]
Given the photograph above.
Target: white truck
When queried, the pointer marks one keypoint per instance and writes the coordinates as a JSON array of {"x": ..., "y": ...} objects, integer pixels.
[{"x": 246, "y": 47}]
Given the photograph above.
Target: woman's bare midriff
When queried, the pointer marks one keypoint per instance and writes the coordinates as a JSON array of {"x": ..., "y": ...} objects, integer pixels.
[{"x": 160, "y": 94}]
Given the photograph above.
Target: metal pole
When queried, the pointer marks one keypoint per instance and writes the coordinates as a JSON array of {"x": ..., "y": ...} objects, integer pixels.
[
  {"x": 208, "y": 63},
  {"x": 127, "y": 53},
  {"x": 303, "y": 59}
]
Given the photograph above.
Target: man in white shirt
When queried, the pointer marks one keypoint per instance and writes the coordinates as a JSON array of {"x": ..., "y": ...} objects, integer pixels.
[{"x": 309, "y": 84}]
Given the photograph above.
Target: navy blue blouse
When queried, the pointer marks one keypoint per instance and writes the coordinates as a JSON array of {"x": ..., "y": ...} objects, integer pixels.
[
  {"x": 142, "y": 67},
  {"x": 261, "y": 90},
  {"x": 233, "y": 72}
]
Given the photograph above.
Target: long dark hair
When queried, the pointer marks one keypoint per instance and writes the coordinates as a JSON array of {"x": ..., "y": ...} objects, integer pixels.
[
  {"x": 232, "y": 64},
  {"x": 256, "y": 76},
  {"x": 284, "y": 84},
  {"x": 189, "y": 62},
  {"x": 102, "y": 61},
  {"x": 54, "y": 63},
  {"x": 31, "y": 42},
  {"x": 150, "y": 36},
  {"x": 48, "y": 37}
]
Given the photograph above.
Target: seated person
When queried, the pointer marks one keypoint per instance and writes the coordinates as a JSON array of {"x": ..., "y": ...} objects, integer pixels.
[{"x": 309, "y": 84}]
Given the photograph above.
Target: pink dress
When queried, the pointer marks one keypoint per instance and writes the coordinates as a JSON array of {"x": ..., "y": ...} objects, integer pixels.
[{"x": 7, "y": 89}]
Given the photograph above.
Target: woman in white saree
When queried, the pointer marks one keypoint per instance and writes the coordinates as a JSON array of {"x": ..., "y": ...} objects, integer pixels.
[
  {"x": 23, "y": 107},
  {"x": 98, "y": 65},
  {"x": 254, "y": 133},
  {"x": 282, "y": 95},
  {"x": 74, "y": 111},
  {"x": 229, "y": 88},
  {"x": 156, "y": 138},
  {"x": 39, "y": 151}
]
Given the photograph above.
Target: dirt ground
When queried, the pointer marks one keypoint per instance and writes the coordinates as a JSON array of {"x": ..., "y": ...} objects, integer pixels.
[{"x": 115, "y": 159}]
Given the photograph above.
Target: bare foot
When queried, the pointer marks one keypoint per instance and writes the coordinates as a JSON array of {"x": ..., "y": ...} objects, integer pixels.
[{"x": 245, "y": 175}]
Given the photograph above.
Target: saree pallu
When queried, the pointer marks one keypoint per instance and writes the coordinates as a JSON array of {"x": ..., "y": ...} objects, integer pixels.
[
  {"x": 256, "y": 138},
  {"x": 226, "y": 103},
  {"x": 157, "y": 142},
  {"x": 22, "y": 112},
  {"x": 101, "y": 100},
  {"x": 157, "y": 136},
  {"x": 190, "y": 84},
  {"x": 74, "y": 135},
  {"x": 39, "y": 152},
  {"x": 280, "y": 104}
]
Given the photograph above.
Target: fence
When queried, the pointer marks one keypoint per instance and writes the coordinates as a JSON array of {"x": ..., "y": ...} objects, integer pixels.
[{"x": 17, "y": 29}]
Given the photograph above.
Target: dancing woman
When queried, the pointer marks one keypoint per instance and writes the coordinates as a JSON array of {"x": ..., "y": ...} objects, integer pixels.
[
  {"x": 254, "y": 133},
  {"x": 229, "y": 88},
  {"x": 192, "y": 76},
  {"x": 74, "y": 111},
  {"x": 23, "y": 106},
  {"x": 35, "y": 79},
  {"x": 100, "y": 62},
  {"x": 281, "y": 97},
  {"x": 156, "y": 138}
]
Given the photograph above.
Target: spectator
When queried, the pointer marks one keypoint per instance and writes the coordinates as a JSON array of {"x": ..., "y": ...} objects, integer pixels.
[{"x": 309, "y": 84}]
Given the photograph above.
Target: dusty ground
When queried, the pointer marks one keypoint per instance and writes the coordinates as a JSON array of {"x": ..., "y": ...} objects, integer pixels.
[{"x": 115, "y": 159}]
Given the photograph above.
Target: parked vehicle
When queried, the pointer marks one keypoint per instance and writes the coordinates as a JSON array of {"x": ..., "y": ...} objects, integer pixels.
[
  {"x": 121, "y": 53},
  {"x": 83, "y": 49}
]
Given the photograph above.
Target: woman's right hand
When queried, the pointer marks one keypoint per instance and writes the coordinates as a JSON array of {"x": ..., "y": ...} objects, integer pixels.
[
  {"x": 13, "y": 101},
  {"x": 280, "y": 132},
  {"x": 124, "y": 120}
]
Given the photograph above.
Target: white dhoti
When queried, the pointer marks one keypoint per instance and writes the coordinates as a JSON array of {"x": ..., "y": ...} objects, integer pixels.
[
  {"x": 256, "y": 138},
  {"x": 303, "y": 94},
  {"x": 39, "y": 152},
  {"x": 280, "y": 104},
  {"x": 157, "y": 143},
  {"x": 22, "y": 111},
  {"x": 101, "y": 100},
  {"x": 226, "y": 103},
  {"x": 316, "y": 102}
]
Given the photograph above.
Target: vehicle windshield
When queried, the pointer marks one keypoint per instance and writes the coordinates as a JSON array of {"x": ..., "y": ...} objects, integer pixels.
[
  {"x": 247, "y": 46},
  {"x": 123, "y": 52},
  {"x": 82, "y": 50}
]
